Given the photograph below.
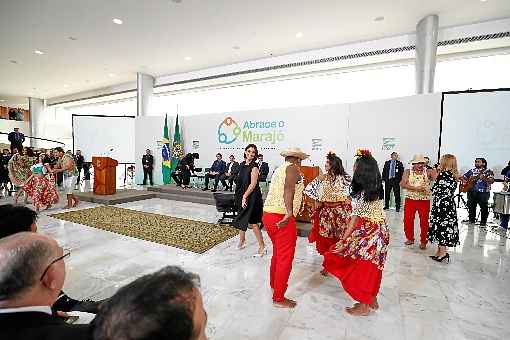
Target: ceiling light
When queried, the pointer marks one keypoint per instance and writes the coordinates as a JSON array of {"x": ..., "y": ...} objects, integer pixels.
[
  {"x": 2, "y": 100},
  {"x": 187, "y": 58},
  {"x": 111, "y": 75},
  {"x": 65, "y": 85},
  {"x": 378, "y": 19},
  {"x": 483, "y": 0},
  {"x": 299, "y": 35},
  {"x": 117, "y": 21},
  {"x": 38, "y": 52}
]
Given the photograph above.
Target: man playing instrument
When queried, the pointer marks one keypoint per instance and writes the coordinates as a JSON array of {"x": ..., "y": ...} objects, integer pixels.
[{"x": 478, "y": 182}]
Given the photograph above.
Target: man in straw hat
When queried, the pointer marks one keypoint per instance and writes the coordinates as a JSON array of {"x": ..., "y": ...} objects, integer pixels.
[
  {"x": 416, "y": 182},
  {"x": 282, "y": 204}
]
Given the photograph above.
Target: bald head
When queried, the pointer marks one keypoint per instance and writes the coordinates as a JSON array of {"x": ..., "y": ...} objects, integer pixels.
[{"x": 23, "y": 258}]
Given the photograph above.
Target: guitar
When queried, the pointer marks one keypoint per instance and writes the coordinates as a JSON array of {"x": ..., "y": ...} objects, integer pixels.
[{"x": 467, "y": 185}]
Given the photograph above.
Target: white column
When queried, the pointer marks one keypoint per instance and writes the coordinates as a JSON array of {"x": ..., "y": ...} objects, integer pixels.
[
  {"x": 426, "y": 51},
  {"x": 144, "y": 91},
  {"x": 36, "y": 107}
]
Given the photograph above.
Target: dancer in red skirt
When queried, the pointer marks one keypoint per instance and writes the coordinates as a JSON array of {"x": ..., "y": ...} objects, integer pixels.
[
  {"x": 330, "y": 193},
  {"x": 358, "y": 258}
]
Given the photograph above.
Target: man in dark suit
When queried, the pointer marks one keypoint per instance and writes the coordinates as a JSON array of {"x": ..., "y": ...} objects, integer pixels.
[
  {"x": 392, "y": 175},
  {"x": 32, "y": 275},
  {"x": 263, "y": 168},
  {"x": 218, "y": 168},
  {"x": 148, "y": 164},
  {"x": 79, "y": 160},
  {"x": 231, "y": 172},
  {"x": 16, "y": 138}
]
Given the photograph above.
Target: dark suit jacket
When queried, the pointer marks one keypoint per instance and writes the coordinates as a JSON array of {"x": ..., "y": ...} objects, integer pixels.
[
  {"x": 219, "y": 166},
  {"x": 148, "y": 160},
  {"x": 40, "y": 326},
  {"x": 264, "y": 171},
  {"x": 399, "y": 171},
  {"x": 235, "y": 168},
  {"x": 16, "y": 141},
  {"x": 79, "y": 160}
]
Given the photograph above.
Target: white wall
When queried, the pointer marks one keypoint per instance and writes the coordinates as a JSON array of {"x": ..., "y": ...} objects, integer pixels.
[
  {"x": 295, "y": 126},
  {"x": 412, "y": 121}
]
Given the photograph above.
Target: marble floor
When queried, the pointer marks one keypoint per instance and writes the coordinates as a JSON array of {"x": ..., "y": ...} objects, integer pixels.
[{"x": 420, "y": 299}]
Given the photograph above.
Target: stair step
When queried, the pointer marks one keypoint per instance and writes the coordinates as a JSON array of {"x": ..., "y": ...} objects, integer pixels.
[{"x": 185, "y": 198}]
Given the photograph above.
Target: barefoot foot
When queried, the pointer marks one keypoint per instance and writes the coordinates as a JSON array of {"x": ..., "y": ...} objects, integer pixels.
[
  {"x": 359, "y": 309},
  {"x": 324, "y": 272},
  {"x": 286, "y": 303}
]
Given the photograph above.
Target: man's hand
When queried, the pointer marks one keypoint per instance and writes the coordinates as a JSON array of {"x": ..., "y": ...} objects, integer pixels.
[{"x": 284, "y": 221}]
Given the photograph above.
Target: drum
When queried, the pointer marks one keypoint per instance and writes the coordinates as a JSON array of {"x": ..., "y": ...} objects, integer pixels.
[{"x": 502, "y": 203}]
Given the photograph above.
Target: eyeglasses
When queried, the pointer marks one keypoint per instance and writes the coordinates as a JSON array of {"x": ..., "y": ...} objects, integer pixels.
[{"x": 67, "y": 253}]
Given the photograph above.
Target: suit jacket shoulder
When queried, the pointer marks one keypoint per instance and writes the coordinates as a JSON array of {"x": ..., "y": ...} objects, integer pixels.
[{"x": 40, "y": 326}]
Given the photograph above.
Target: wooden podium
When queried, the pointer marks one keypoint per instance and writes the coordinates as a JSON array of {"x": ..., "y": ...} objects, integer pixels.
[
  {"x": 105, "y": 177},
  {"x": 309, "y": 174}
]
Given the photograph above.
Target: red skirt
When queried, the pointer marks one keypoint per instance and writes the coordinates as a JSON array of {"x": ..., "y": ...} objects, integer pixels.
[{"x": 361, "y": 279}]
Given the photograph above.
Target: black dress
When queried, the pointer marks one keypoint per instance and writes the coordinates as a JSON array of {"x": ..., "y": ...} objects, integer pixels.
[
  {"x": 444, "y": 227},
  {"x": 252, "y": 214}
]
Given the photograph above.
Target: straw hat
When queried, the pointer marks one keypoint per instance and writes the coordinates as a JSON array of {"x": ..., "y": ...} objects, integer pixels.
[
  {"x": 418, "y": 158},
  {"x": 294, "y": 152}
]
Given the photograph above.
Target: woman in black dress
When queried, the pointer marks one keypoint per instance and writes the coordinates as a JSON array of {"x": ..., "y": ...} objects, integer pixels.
[
  {"x": 248, "y": 199},
  {"x": 444, "y": 227}
]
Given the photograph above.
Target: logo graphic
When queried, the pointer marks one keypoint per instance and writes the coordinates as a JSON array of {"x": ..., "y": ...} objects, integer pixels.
[
  {"x": 228, "y": 131},
  {"x": 389, "y": 143}
]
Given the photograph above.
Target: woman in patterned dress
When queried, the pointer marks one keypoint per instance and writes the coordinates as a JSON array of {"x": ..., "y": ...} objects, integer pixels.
[
  {"x": 357, "y": 260},
  {"x": 39, "y": 187},
  {"x": 330, "y": 193},
  {"x": 19, "y": 171},
  {"x": 444, "y": 227}
]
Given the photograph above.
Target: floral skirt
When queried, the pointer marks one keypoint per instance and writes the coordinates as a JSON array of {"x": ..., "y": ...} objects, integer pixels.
[
  {"x": 328, "y": 225},
  {"x": 42, "y": 191}
]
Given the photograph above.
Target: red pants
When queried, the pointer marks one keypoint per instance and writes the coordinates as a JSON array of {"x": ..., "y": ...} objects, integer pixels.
[
  {"x": 410, "y": 208},
  {"x": 284, "y": 245}
]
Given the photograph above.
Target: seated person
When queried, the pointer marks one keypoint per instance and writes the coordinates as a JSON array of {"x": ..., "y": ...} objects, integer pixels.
[
  {"x": 231, "y": 173},
  {"x": 263, "y": 168},
  {"x": 16, "y": 219},
  {"x": 166, "y": 304},
  {"x": 217, "y": 171},
  {"x": 184, "y": 169},
  {"x": 32, "y": 273}
]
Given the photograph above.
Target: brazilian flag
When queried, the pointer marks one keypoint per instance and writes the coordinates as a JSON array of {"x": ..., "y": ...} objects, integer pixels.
[
  {"x": 177, "y": 147},
  {"x": 166, "y": 165}
]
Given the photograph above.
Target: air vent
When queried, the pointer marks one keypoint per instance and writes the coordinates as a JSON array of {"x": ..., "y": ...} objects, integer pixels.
[{"x": 342, "y": 57}]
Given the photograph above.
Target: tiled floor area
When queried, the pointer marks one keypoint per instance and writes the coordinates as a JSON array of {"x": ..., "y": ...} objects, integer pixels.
[{"x": 419, "y": 298}]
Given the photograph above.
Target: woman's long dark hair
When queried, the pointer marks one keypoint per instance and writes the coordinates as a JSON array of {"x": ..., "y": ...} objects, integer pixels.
[
  {"x": 256, "y": 151},
  {"x": 366, "y": 179},
  {"x": 336, "y": 167}
]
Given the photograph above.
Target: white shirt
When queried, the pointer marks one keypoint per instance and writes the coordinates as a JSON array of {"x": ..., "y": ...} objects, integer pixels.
[
  {"x": 42, "y": 309},
  {"x": 230, "y": 166}
]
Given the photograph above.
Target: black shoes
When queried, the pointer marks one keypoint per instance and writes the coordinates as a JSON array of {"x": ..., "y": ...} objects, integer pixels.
[
  {"x": 213, "y": 190},
  {"x": 441, "y": 259},
  {"x": 205, "y": 189}
]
